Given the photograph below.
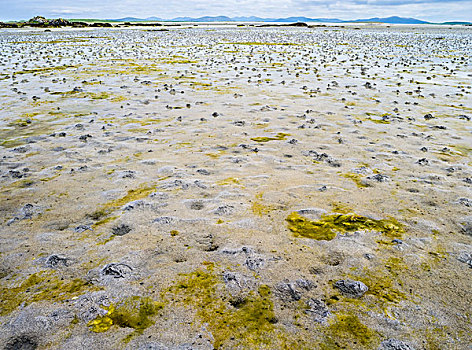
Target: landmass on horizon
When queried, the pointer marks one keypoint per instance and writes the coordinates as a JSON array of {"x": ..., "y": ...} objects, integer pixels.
[{"x": 212, "y": 19}]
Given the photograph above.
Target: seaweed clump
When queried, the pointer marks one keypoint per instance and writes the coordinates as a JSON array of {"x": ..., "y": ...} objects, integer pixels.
[
  {"x": 134, "y": 312},
  {"x": 329, "y": 225}
]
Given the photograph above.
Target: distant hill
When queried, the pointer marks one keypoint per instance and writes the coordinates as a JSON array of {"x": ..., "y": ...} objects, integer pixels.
[{"x": 389, "y": 20}]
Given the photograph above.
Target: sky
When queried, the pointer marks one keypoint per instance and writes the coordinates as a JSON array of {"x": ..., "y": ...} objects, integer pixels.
[{"x": 428, "y": 10}]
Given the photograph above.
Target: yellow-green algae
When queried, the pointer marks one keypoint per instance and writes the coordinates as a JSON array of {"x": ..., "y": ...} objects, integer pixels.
[
  {"x": 249, "y": 323},
  {"x": 356, "y": 178},
  {"x": 279, "y": 136},
  {"x": 134, "y": 312},
  {"x": 347, "y": 330},
  {"x": 329, "y": 225},
  {"x": 132, "y": 195},
  {"x": 382, "y": 281},
  {"x": 42, "y": 286},
  {"x": 260, "y": 209}
]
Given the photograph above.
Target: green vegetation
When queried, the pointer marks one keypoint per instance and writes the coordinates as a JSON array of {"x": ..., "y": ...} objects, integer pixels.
[
  {"x": 329, "y": 225},
  {"x": 134, "y": 312},
  {"x": 42, "y": 286},
  {"x": 279, "y": 136},
  {"x": 247, "y": 323},
  {"x": 356, "y": 178},
  {"x": 132, "y": 195},
  {"x": 347, "y": 330},
  {"x": 260, "y": 209},
  {"x": 44, "y": 70}
]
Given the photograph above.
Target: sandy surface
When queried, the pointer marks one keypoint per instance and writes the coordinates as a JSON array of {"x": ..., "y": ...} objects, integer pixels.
[{"x": 178, "y": 156}]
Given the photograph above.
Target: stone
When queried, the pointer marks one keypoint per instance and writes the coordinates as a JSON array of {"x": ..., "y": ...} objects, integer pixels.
[
  {"x": 351, "y": 288},
  {"x": 394, "y": 344},
  {"x": 116, "y": 270},
  {"x": 317, "y": 309},
  {"x": 56, "y": 260},
  {"x": 22, "y": 342}
]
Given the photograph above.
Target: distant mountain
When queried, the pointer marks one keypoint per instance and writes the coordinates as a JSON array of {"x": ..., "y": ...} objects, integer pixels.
[
  {"x": 389, "y": 20},
  {"x": 306, "y": 19},
  {"x": 126, "y": 19}
]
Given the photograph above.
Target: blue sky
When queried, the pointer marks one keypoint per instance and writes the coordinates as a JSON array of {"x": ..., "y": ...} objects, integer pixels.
[{"x": 430, "y": 10}]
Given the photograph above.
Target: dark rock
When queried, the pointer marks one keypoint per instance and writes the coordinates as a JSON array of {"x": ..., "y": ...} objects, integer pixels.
[
  {"x": 197, "y": 205},
  {"x": 55, "y": 260},
  {"x": 85, "y": 137},
  {"x": 22, "y": 342},
  {"x": 297, "y": 24},
  {"x": 164, "y": 220},
  {"x": 428, "y": 116},
  {"x": 254, "y": 263},
  {"x": 101, "y": 24},
  {"x": 8, "y": 25},
  {"x": 466, "y": 227},
  {"x": 121, "y": 230},
  {"x": 82, "y": 228},
  {"x": 287, "y": 291},
  {"x": 79, "y": 24},
  {"x": 379, "y": 178},
  {"x": 422, "y": 162},
  {"x": 208, "y": 243},
  {"x": 59, "y": 22},
  {"x": 203, "y": 172},
  {"x": 317, "y": 309},
  {"x": 465, "y": 201},
  {"x": 393, "y": 344},
  {"x": 224, "y": 210},
  {"x": 466, "y": 258},
  {"x": 292, "y": 291},
  {"x": 38, "y": 19},
  {"x": 352, "y": 288},
  {"x": 116, "y": 270}
]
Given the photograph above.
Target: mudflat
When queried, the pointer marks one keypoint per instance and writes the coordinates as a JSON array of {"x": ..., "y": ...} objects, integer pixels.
[{"x": 236, "y": 187}]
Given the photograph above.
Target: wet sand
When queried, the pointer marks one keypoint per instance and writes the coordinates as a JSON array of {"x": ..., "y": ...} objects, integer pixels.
[{"x": 208, "y": 187}]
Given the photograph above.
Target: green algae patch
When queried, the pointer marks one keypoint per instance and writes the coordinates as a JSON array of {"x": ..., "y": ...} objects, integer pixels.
[
  {"x": 260, "y": 209},
  {"x": 42, "y": 286},
  {"x": 44, "y": 70},
  {"x": 329, "y": 225},
  {"x": 278, "y": 137},
  {"x": 346, "y": 330},
  {"x": 132, "y": 195},
  {"x": 384, "y": 282},
  {"x": 247, "y": 323},
  {"x": 134, "y": 312},
  {"x": 356, "y": 178},
  {"x": 303, "y": 227}
]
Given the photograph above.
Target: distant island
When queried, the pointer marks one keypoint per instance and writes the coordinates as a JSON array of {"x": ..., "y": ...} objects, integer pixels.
[
  {"x": 43, "y": 22},
  {"x": 390, "y": 20}
]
